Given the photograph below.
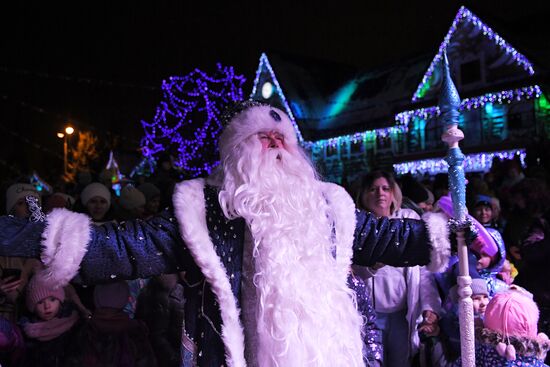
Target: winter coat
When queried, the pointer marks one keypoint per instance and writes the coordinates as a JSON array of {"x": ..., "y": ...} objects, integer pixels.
[
  {"x": 162, "y": 311},
  {"x": 535, "y": 253},
  {"x": 208, "y": 247},
  {"x": 421, "y": 291},
  {"x": 53, "y": 352},
  {"x": 529, "y": 351},
  {"x": 111, "y": 339}
]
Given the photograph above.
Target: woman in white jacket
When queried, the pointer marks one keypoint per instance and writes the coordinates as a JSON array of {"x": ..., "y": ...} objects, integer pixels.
[{"x": 401, "y": 296}]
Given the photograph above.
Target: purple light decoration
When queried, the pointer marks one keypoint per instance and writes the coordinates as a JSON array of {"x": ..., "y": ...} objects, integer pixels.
[
  {"x": 505, "y": 96},
  {"x": 188, "y": 118},
  {"x": 480, "y": 162},
  {"x": 265, "y": 62},
  {"x": 464, "y": 15}
]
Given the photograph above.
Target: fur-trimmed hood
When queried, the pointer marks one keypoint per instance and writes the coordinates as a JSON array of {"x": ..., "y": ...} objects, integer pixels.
[{"x": 524, "y": 346}]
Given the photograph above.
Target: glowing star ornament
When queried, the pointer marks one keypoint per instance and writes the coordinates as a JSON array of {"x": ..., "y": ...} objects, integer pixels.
[{"x": 187, "y": 121}]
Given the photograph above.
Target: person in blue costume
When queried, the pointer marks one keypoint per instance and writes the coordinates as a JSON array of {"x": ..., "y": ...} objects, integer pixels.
[{"x": 265, "y": 245}]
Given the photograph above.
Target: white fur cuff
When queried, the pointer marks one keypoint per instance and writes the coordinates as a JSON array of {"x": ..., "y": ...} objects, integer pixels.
[
  {"x": 64, "y": 241},
  {"x": 439, "y": 240}
]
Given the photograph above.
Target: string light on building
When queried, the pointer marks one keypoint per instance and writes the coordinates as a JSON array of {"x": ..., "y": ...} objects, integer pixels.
[
  {"x": 464, "y": 15},
  {"x": 264, "y": 62},
  {"x": 357, "y": 137},
  {"x": 479, "y": 162},
  {"x": 502, "y": 97}
]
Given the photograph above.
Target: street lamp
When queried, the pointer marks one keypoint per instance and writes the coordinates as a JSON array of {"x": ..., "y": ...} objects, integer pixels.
[{"x": 69, "y": 130}]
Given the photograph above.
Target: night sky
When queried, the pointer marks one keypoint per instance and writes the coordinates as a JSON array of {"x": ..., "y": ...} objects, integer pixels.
[{"x": 100, "y": 64}]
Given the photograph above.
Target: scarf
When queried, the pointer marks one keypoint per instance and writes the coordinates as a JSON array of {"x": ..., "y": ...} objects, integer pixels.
[{"x": 51, "y": 329}]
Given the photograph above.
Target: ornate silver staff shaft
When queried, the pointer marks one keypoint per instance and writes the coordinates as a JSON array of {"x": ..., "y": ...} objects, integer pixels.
[{"x": 449, "y": 103}]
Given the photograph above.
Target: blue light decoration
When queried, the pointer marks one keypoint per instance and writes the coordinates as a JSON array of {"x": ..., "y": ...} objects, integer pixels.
[
  {"x": 479, "y": 162},
  {"x": 187, "y": 122},
  {"x": 40, "y": 185},
  {"x": 502, "y": 97},
  {"x": 354, "y": 138},
  {"x": 264, "y": 62},
  {"x": 115, "y": 174},
  {"x": 145, "y": 167},
  {"x": 464, "y": 15}
]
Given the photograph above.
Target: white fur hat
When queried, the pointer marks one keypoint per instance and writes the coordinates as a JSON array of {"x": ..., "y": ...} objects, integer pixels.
[
  {"x": 95, "y": 189},
  {"x": 255, "y": 117},
  {"x": 18, "y": 191}
]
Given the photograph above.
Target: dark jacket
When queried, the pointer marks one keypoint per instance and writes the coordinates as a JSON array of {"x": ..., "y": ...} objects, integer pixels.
[
  {"x": 162, "y": 311},
  {"x": 535, "y": 253},
  {"x": 111, "y": 339}
]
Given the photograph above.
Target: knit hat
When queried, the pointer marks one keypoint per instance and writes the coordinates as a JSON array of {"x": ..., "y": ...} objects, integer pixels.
[
  {"x": 512, "y": 313},
  {"x": 479, "y": 286},
  {"x": 251, "y": 118},
  {"x": 485, "y": 240},
  {"x": 18, "y": 191},
  {"x": 95, "y": 189},
  {"x": 131, "y": 198},
  {"x": 483, "y": 200},
  {"x": 112, "y": 295},
  {"x": 149, "y": 190},
  {"x": 37, "y": 290}
]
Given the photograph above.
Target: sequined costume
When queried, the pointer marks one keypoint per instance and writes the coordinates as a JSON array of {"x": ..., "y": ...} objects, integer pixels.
[{"x": 199, "y": 240}]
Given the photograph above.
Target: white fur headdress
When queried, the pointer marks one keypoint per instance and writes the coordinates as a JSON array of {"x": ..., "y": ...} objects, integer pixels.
[{"x": 253, "y": 118}]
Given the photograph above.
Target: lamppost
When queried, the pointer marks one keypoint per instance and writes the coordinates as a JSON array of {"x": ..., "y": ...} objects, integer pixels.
[{"x": 69, "y": 130}]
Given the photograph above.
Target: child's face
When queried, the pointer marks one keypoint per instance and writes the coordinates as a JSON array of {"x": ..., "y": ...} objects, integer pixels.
[
  {"x": 47, "y": 308},
  {"x": 483, "y": 213},
  {"x": 483, "y": 260},
  {"x": 20, "y": 209},
  {"x": 480, "y": 303}
]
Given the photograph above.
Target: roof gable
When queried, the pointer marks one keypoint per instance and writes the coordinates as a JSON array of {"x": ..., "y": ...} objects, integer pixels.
[
  {"x": 265, "y": 74},
  {"x": 468, "y": 35}
]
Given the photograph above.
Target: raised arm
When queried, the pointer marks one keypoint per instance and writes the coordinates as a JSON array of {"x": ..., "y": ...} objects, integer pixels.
[
  {"x": 134, "y": 249},
  {"x": 402, "y": 242},
  {"x": 69, "y": 245}
]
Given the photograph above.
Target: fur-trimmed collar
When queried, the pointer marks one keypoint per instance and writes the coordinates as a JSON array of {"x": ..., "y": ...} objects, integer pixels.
[{"x": 525, "y": 346}]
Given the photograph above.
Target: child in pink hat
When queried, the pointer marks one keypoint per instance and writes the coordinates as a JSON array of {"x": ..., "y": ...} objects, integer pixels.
[{"x": 510, "y": 336}]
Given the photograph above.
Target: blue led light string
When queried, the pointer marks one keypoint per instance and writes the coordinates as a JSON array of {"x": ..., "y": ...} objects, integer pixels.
[
  {"x": 265, "y": 62},
  {"x": 479, "y": 162},
  {"x": 187, "y": 121},
  {"x": 464, "y": 15}
]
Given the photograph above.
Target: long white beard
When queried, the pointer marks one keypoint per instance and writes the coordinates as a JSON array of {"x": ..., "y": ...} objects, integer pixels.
[{"x": 305, "y": 314}]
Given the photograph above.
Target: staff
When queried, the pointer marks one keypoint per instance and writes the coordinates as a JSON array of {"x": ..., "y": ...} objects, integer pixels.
[{"x": 449, "y": 102}]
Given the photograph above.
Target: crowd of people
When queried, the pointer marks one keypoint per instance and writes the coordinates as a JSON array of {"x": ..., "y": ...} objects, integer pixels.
[{"x": 409, "y": 314}]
